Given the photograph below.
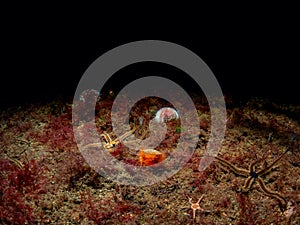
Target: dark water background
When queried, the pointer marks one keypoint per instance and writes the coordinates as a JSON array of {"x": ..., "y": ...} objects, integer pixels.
[{"x": 46, "y": 62}]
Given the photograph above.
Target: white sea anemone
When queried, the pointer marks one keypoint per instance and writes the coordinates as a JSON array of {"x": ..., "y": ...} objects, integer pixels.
[{"x": 166, "y": 114}]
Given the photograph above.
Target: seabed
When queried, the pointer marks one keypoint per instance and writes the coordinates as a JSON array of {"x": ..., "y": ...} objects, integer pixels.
[{"x": 45, "y": 179}]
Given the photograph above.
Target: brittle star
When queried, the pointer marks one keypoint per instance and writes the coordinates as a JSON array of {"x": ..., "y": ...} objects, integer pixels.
[
  {"x": 195, "y": 206},
  {"x": 253, "y": 176},
  {"x": 108, "y": 143}
]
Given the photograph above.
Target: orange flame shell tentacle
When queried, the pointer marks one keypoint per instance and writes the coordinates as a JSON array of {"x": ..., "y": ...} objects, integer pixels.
[{"x": 148, "y": 157}]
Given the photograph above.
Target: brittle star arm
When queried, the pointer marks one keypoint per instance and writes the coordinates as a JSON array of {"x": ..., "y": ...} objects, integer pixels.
[
  {"x": 236, "y": 170},
  {"x": 248, "y": 184},
  {"x": 106, "y": 137},
  {"x": 195, "y": 206},
  {"x": 109, "y": 143},
  {"x": 270, "y": 167},
  {"x": 271, "y": 193},
  {"x": 251, "y": 179},
  {"x": 123, "y": 136}
]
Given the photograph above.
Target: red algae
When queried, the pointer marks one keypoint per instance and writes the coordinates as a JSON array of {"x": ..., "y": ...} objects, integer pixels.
[{"x": 44, "y": 178}]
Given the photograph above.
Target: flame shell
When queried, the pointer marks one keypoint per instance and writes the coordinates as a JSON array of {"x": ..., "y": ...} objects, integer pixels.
[{"x": 148, "y": 157}]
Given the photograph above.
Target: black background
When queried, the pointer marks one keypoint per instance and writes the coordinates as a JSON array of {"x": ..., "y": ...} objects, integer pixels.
[{"x": 44, "y": 60}]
